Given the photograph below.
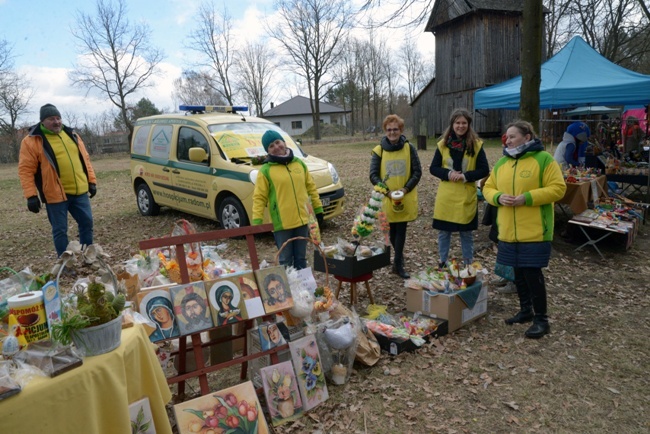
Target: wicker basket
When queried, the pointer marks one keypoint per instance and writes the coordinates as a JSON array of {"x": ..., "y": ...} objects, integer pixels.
[{"x": 290, "y": 319}]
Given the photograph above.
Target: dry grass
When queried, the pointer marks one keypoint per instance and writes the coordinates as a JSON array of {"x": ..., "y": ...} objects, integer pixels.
[{"x": 590, "y": 375}]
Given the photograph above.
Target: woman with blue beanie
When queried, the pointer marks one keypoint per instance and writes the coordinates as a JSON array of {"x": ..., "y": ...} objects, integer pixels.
[
  {"x": 287, "y": 187},
  {"x": 573, "y": 147}
]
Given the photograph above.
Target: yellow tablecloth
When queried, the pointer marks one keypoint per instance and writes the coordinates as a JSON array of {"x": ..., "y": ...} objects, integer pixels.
[
  {"x": 95, "y": 397},
  {"x": 578, "y": 194}
]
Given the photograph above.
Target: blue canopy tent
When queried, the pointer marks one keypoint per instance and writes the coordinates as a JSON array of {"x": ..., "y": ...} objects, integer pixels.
[{"x": 576, "y": 75}]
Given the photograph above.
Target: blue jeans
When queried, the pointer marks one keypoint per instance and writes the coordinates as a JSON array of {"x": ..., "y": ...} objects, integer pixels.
[
  {"x": 466, "y": 243},
  {"x": 295, "y": 253},
  {"x": 79, "y": 208}
]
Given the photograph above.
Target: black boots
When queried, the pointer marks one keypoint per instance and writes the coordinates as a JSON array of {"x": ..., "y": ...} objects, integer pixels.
[
  {"x": 522, "y": 317},
  {"x": 398, "y": 239},
  {"x": 532, "y": 302},
  {"x": 539, "y": 328},
  {"x": 398, "y": 268}
]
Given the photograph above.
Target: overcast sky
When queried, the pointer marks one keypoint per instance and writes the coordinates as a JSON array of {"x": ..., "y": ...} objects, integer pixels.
[{"x": 45, "y": 51}]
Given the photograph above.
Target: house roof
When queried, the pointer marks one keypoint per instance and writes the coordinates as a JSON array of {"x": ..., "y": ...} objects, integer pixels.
[
  {"x": 299, "y": 105},
  {"x": 445, "y": 11}
]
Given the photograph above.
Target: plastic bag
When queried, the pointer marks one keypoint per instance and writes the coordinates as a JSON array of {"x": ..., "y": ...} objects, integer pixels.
[
  {"x": 368, "y": 350},
  {"x": 18, "y": 283}
]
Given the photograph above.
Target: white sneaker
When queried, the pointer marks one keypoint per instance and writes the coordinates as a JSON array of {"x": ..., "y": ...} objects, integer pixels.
[
  {"x": 502, "y": 281},
  {"x": 509, "y": 288}
]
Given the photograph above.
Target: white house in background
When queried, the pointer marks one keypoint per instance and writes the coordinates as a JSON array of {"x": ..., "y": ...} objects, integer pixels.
[{"x": 294, "y": 115}]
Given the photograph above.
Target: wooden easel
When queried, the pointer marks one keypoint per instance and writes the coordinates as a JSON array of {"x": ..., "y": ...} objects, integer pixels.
[{"x": 202, "y": 370}]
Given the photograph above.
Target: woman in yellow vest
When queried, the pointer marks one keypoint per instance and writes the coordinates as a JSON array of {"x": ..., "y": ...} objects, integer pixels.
[
  {"x": 459, "y": 162},
  {"x": 396, "y": 163}
]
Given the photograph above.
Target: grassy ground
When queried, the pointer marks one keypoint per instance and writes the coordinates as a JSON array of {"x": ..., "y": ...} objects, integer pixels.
[{"x": 590, "y": 375}]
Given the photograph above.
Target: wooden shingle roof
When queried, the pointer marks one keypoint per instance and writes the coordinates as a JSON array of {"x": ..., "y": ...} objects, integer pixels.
[{"x": 445, "y": 11}]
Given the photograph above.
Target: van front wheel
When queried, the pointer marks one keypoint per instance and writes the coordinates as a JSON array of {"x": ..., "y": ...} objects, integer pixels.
[
  {"x": 232, "y": 213},
  {"x": 146, "y": 203}
]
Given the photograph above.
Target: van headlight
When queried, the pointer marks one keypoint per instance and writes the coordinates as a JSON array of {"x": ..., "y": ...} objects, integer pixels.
[
  {"x": 253, "y": 176},
  {"x": 334, "y": 173}
]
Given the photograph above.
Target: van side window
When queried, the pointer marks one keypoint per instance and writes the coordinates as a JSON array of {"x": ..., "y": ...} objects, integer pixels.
[{"x": 189, "y": 138}]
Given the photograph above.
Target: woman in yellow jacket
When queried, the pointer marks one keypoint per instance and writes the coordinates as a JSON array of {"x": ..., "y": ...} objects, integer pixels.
[
  {"x": 524, "y": 185},
  {"x": 285, "y": 184},
  {"x": 459, "y": 162}
]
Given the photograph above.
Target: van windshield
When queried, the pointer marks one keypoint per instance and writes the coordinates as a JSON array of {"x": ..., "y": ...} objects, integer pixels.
[{"x": 244, "y": 140}]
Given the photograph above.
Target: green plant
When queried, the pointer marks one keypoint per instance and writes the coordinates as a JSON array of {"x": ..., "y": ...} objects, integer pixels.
[{"x": 90, "y": 305}]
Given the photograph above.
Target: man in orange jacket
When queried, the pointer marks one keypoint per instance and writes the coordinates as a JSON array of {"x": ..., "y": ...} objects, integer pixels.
[{"x": 54, "y": 168}]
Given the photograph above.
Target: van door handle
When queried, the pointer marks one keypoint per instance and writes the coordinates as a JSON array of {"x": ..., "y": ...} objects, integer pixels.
[
  {"x": 165, "y": 169},
  {"x": 176, "y": 171}
]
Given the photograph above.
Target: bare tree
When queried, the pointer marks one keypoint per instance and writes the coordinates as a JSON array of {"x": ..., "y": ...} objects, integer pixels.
[
  {"x": 395, "y": 19},
  {"x": 256, "y": 64},
  {"x": 312, "y": 37},
  {"x": 194, "y": 87},
  {"x": 558, "y": 26},
  {"x": 15, "y": 95},
  {"x": 116, "y": 57},
  {"x": 644, "y": 8},
  {"x": 6, "y": 57},
  {"x": 211, "y": 38},
  {"x": 531, "y": 61},
  {"x": 416, "y": 73}
]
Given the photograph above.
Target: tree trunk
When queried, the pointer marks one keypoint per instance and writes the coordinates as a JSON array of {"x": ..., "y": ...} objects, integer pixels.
[{"x": 531, "y": 61}]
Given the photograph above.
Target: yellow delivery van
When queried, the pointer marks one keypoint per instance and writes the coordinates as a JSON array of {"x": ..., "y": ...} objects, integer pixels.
[{"x": 205, "y": 163}]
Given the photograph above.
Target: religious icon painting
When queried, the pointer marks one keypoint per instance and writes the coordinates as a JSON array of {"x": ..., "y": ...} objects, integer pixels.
[
  {"x": 281, "y": 392},
  {"x": 309, "y": 371},
  {"x": 246, "y": 283},
  {"x": 141, "y": 417},
  {"x": 235, "y": 410},
  {"x": 226, "y": 302},
  {"x": 270, "y": 336},
  {"x": 191, "y": 307},
  {"x": 274, "y": 289},
  {"x": 157, "y": 305}
]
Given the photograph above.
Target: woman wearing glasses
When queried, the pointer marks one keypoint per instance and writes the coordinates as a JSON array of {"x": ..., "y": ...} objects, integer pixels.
[
  {"x": 459, "y": 162},
  {"x": 395, "y": 162}
]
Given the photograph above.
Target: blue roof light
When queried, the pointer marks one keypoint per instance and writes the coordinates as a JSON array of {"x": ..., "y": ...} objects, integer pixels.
[{"x": 213, "y": 108}]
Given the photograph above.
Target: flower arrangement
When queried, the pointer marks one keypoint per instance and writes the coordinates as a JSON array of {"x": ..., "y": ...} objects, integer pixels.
[
  {"x": 229, "y": 414},
  {"x": 311, "y": 374},
  {"x": 364, "y": 222},
  {"x": 283, "y": 396},
  {"x": 324, "y": 299}
]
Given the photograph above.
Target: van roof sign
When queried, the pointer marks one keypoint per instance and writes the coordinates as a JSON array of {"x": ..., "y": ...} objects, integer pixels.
[{"x": 194, "y": 109}]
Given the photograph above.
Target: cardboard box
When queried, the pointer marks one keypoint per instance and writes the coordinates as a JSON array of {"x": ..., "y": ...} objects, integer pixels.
[
  {"x": 451, "y": 307},
  {"x": 350, "y": 267},
  {"x": 396, "y": 346}
]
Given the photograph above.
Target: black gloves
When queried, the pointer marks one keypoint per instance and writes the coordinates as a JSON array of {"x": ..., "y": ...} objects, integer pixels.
[
  {"x": 34, "y": 204},
  {"x": 92, "y": 190},
  {"x": 320, "y": 219}
]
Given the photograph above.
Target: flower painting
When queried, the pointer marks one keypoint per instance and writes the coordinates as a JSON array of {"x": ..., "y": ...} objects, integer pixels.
[
  {"x": 281, "y": 391},
  {"x": 235, "y": 410},
  {"x": 309, "y": 371}
]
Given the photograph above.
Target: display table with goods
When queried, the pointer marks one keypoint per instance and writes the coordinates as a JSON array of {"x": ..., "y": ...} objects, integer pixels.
[
  {"x": 612, "y": 218},
  {"x": 95, "y": 397},
  {"x": 354, "y": 261},
  {"x": 75, "y": 356},
  {"x": 583, "y": 186},
  {"x": 631, "y": 173}
]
